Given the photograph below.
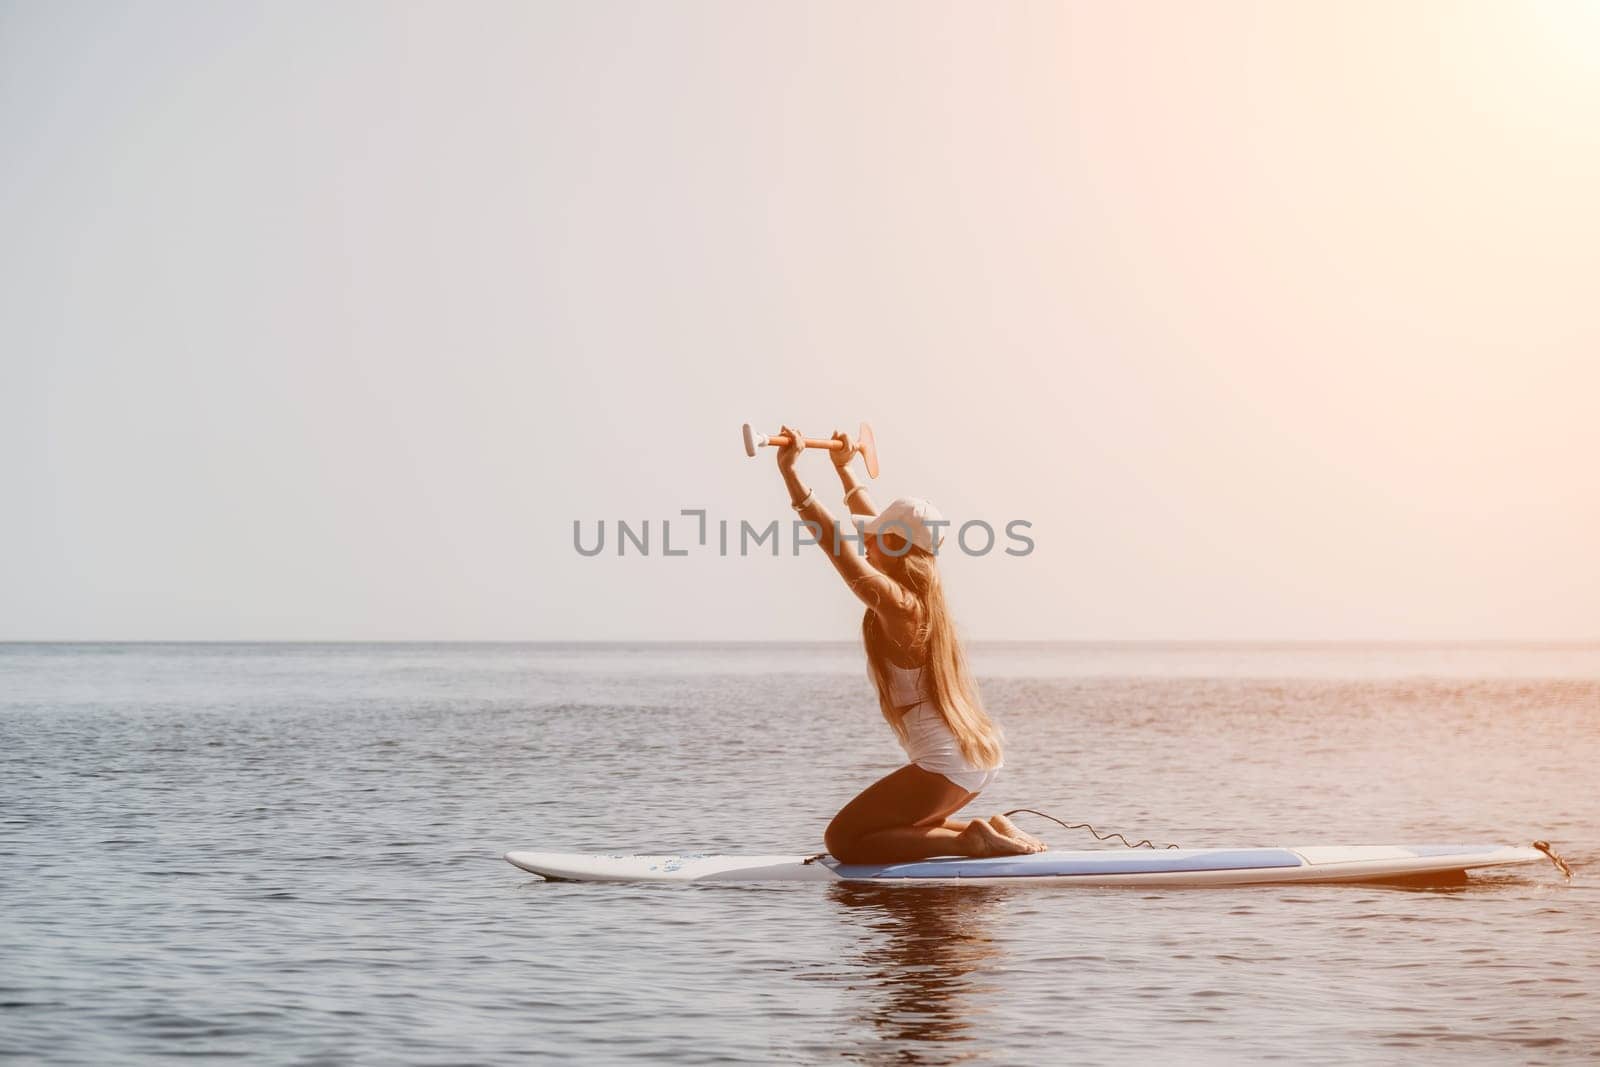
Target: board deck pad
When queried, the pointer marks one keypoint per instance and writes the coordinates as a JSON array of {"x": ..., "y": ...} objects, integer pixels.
[{"x": 1122, "y": 866}]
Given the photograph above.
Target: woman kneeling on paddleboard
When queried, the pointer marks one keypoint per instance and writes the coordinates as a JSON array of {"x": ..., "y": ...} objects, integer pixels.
[{"x": 924, "y": 689}]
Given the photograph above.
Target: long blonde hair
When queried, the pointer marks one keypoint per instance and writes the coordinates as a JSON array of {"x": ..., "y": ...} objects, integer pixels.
[{"x": 953, "y": 692}]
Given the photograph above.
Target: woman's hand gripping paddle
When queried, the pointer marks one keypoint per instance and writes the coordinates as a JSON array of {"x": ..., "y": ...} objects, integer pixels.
[{"x": 864, "y": 444}]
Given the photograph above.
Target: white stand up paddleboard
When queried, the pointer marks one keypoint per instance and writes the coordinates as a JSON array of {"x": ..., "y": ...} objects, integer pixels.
[{"x": 1100, "y": 867}]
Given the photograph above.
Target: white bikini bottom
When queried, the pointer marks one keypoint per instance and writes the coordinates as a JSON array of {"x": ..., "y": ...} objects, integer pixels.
[{"x": 931, "y": 746}]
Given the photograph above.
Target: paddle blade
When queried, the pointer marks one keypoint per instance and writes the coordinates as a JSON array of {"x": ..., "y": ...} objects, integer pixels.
[{"x": 867, "y": 445}]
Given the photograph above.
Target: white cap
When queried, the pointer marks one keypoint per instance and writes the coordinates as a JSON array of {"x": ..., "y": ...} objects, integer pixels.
[{"x": 909, "y": 517}]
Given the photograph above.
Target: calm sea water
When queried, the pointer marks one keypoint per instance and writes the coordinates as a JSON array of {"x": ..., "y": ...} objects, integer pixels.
[{"x": 293, "y": 852}]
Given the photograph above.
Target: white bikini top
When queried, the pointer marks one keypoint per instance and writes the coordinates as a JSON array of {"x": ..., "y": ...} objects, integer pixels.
[{"x": 905, "y": 686}]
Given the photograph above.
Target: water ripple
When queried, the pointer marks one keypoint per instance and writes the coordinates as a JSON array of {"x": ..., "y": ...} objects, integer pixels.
[{"x": 293, "y": 852}]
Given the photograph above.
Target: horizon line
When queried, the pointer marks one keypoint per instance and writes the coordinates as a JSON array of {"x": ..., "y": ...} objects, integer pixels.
[{"x": 1491, "y": 642}]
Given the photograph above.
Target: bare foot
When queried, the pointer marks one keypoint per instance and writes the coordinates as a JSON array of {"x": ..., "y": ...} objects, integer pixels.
[
  {"x": 1006, "y": 828},
  {"x": 980, "y": 839}
]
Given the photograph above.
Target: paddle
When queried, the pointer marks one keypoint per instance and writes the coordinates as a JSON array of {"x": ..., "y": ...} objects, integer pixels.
[{"x": 864, "y": 444}]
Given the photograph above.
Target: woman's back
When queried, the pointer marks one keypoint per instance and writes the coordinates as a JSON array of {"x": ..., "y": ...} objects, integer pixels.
[{"x": 905, "y": 686}]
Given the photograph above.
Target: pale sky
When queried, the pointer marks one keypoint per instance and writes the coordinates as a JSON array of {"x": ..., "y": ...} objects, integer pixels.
[{"x": 325, "y": 321}]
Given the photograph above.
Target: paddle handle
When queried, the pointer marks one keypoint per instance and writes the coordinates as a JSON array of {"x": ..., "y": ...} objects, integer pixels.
[
  {"x": 865, "y": 444},
  {"x": 781, "y": 439}
]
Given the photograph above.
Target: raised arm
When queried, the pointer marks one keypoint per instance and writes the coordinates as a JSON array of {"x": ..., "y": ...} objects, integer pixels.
[
  {"x": 876, "y": 590},
  {"x": 855, "y": 492}
]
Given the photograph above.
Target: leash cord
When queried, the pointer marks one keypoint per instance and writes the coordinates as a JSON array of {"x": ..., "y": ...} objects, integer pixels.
[{"x": 1085, "y": 826}]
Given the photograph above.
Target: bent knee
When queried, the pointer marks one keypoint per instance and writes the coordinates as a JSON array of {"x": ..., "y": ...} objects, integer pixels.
[
  {"x": 844, "y": 842},
  {"x": 839, "y": 842}
]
